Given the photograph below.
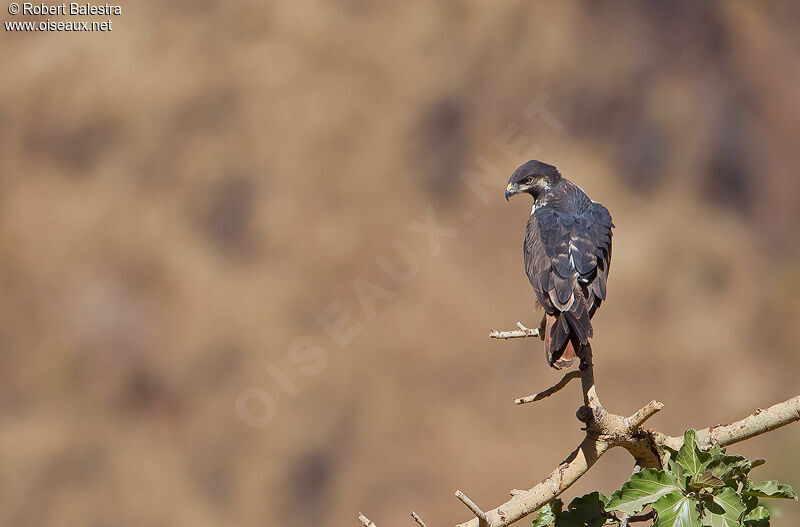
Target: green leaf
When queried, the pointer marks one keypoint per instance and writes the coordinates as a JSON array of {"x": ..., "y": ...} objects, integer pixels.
[
  {"x": 758, "y": 517},
  {"x": 570, "y": 519},
  {"x": 706, "y": 480},
  {"x": 751, "y": 502},
  {"x": 644, "y": 487},
  {"x": 676, "y": 510},
  {"x": 547, "y": 514},
  {"x": 592, "y": 499},
  {"x": 724, "y": 509},
  {"x": 588, "y": 510},
  {"x": 668, "y": 454},
  {"x": 728, "y": 467},
  {"x": 680, "y": 475},
  {"x": 771, "y": 489},
  {"x": 690, "y": 457},
  {"x": 716, "y": 450},
  {"x": 724, "y": 466}
]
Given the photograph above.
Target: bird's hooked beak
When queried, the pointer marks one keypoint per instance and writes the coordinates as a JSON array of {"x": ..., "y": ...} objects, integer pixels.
[{"x": 511, "y": 189}]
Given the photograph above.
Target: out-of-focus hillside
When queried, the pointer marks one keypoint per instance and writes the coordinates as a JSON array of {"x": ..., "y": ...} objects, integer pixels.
[{"x": 184, "y": 198}]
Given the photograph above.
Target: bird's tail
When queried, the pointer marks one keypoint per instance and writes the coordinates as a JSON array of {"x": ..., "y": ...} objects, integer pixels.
[
  {"x": 567, "y": 331},
  {"x": 560, "y": 342}
]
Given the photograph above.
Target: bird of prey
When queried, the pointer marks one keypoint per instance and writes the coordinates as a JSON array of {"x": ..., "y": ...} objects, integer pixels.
[{"x": 567, "y": 255}]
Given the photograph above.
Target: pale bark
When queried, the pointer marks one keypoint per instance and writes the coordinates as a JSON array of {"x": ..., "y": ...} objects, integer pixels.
[
  {"x": 520, "y": 333},
  {"x": 365, "y": 521}
]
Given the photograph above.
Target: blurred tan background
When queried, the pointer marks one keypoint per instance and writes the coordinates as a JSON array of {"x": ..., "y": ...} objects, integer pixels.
[{"x": 182, "y": 200}]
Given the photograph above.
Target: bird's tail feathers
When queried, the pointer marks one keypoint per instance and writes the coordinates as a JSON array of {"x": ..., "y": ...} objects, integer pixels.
[
  {"x": 558, "y": 348},
  {"x": 564, "y": 335}
]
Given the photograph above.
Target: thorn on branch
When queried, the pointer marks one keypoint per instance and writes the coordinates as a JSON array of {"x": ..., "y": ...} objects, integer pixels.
[
  {"x": 418, "y": 519},
  {"x": 365, "y": 521},
  {"x": 472, "y": 507},
  {"x": 575, "y": 374}
]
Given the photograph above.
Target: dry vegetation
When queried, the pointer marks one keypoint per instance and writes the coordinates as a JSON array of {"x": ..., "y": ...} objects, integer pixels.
[{"x": 181, "y": 198}]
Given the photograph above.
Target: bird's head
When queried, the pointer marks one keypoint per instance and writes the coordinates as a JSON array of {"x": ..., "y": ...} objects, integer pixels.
[{"x": 534, "y": 177}]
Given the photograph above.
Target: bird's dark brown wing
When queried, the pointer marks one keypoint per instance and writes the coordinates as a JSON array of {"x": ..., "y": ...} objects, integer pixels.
[
  {"x": 598, "y": 246},
  {"x": 567, "y": 256}
]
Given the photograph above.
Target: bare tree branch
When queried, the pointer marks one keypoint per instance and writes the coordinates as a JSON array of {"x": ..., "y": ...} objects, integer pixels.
[
  {"x": 550, "y": 391},
  {"x": 757, "y": 423},
  {"x": 590, "y": 397},
  {"x": 590, "y": 450},
  {"x": 559, "y": 480},
  {"x": 365, "y": 521},
  {"x": 649, "y": 515},
  {"x": 605, "y": 430},
  {"x": 520, "y": 333},
  {"x": 479, "y": 514},
  {"x": 645, "y": 413},
  {"x": 418, "y": 519}
]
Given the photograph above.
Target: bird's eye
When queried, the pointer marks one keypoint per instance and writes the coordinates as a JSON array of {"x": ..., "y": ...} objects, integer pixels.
[{"x": 527, "y": 181}]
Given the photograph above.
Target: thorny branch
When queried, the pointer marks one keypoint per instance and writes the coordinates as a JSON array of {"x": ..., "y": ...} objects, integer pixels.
[{"x": 605, "y": 430}]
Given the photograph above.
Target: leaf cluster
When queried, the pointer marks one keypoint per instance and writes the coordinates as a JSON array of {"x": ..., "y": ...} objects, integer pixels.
[{"x": 696, "y": 488}]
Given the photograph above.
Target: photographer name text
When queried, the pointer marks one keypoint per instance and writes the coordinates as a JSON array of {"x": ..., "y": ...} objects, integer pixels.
[{"x": 72, "y": 9}]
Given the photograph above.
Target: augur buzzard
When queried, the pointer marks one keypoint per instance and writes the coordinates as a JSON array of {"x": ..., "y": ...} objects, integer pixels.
[{"x": 567, "y": 256}]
